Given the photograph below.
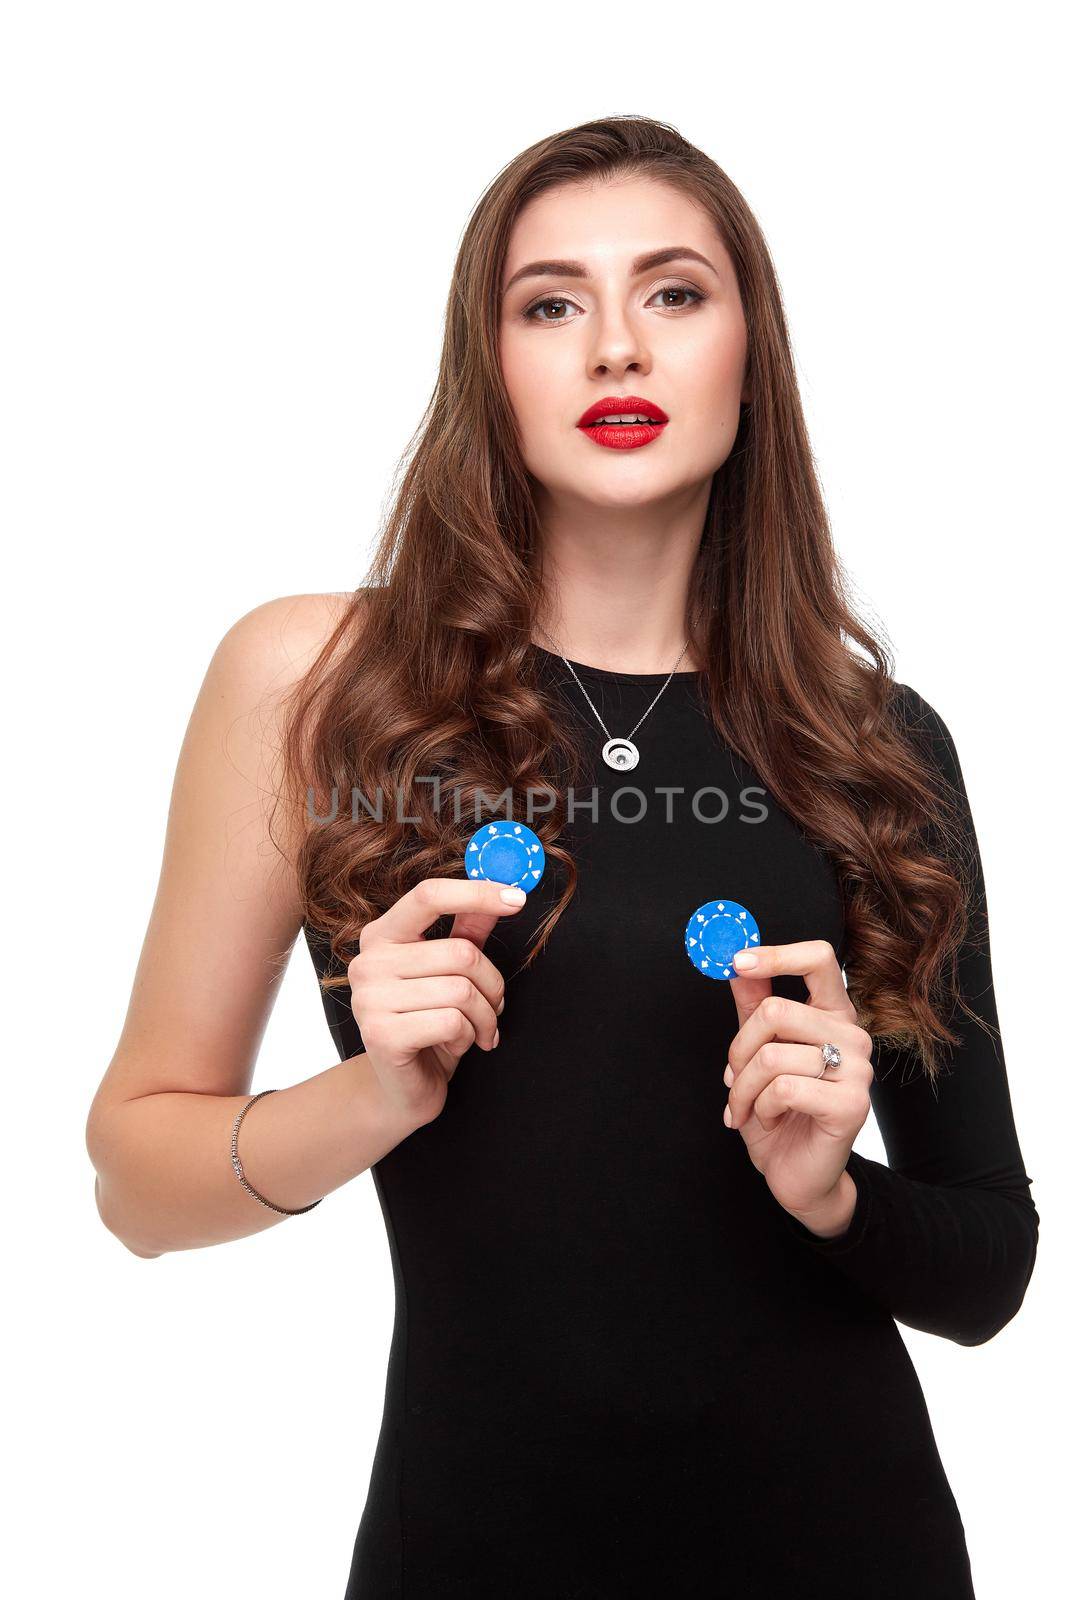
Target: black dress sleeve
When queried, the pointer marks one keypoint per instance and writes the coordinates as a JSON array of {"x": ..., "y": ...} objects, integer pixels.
[{"x": 945, "y": 1237}]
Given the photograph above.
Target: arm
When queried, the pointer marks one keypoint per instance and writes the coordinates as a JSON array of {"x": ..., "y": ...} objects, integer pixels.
[
  {"x": 226, "y": 912},
  {"x": 945, "y": 1236}
]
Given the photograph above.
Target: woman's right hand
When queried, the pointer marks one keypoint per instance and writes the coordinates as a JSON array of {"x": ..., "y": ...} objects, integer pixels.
[{"x": 421, "y": 1003}]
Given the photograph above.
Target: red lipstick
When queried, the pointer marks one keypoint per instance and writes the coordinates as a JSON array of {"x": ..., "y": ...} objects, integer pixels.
[{"x": 623, "y": 435}]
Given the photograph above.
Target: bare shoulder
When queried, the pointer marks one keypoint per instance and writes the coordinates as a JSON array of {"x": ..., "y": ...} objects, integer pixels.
[
  {"x": 272, "y": 646},
  {"x": 256, "y": 669},
  {"x": 229, "y": 902}
]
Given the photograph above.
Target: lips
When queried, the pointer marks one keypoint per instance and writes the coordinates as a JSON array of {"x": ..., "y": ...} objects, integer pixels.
[
  {"x": 622, "y": 405},
  {"x": 623, "y": 435}
]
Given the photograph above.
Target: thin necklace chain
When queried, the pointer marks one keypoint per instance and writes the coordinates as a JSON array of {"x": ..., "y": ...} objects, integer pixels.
[{"x": 592, "y": 707}]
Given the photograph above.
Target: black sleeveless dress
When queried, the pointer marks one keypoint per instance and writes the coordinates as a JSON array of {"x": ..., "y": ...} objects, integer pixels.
[{"x": 619, "y": 1368}]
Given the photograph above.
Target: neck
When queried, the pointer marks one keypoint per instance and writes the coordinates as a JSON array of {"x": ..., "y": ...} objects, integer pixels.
[
  {"x": 614, "y": 588},
  {"x": 622, "y": 655}
]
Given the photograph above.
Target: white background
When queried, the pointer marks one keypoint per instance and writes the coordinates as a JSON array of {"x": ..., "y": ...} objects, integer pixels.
[{"x": 229, "y": 230}]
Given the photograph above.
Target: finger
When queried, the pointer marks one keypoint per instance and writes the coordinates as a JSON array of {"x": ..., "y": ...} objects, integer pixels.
[
  {"x": 768, "y": 1062},
  {"x": 839, "y": 1109},
  {"x": 446, "y": 1030},
  {"x": 814, "y": 960},
  {"x": 449, "y": 990},
  {"x": 409, "y": 917},
  {"x": 747, "y": 993},
  {"x": 429, "y": 958},
  {"x": 474, "y": 925},
  {"x": 795, "y": 1021}
]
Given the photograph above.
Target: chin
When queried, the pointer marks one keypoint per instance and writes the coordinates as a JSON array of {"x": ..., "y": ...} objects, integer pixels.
[
  {"x": 631, "y": 489},
  {"x": 614, "y": 481}
]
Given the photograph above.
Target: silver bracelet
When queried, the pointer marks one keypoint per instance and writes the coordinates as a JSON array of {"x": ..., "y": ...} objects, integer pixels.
[{"x": 235, "y": 1158}]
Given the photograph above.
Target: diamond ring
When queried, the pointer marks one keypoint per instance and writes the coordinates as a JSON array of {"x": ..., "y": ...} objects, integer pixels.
[{"x": 831, "y": 1057}]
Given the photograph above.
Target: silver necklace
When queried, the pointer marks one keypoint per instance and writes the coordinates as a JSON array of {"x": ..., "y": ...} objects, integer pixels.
[{"x": 622, "y": 755}]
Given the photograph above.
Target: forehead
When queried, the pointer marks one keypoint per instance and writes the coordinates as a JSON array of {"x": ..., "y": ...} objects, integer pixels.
[{"x": 607, "y": 224}]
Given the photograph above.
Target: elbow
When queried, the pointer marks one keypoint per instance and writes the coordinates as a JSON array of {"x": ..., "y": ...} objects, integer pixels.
[
  {"x": 145, "y": 1255},
  {"x": 136, "y": 1247},
  {"x": 101, "y": 1142},
  {"x": 1012, "y": 1281}
]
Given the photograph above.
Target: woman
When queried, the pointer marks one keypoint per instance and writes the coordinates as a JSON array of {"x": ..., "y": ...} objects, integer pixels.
[{"x": 647, "y": 1291}]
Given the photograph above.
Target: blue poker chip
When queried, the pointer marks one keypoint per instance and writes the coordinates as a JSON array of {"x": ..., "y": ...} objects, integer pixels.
[
  {"x": 714, "y": 934},
  {"x": 506, "y": 852}
]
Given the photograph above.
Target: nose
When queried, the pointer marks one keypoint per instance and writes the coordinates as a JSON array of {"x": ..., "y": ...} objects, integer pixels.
[{"x": 615, "y": 346}]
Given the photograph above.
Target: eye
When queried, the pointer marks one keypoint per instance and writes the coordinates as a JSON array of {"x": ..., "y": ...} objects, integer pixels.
[
  {"x": 548, "y": 300},
  {"x": 681, "y": 288},
  {"x": 530, "y": 314}
]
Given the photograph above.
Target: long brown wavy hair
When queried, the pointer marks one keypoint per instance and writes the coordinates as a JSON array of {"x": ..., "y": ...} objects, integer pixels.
[{"x": 429, "y": 669}]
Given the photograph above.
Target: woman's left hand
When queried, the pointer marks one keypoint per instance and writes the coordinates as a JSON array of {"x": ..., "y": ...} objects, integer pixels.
[{"x": 799, "y": 1127}]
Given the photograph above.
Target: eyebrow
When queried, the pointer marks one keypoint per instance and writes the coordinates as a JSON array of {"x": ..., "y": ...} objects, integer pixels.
[{"x": 578, "y": 269}]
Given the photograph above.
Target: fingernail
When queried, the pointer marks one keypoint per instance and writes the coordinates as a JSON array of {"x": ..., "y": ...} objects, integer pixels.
[
  {"x": 728, "y": 1077},
  {"x": 496, "y": 1040},
  {"x": 726, "y": 1115},
  {"x": 500, "y": 1007},
  {"x": 513, "y": 897},
  {"x": 744, "y": 959}
]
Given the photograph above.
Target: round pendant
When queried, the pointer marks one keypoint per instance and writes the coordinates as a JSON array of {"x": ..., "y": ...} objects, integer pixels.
[{"x": 621, "y": 754}]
